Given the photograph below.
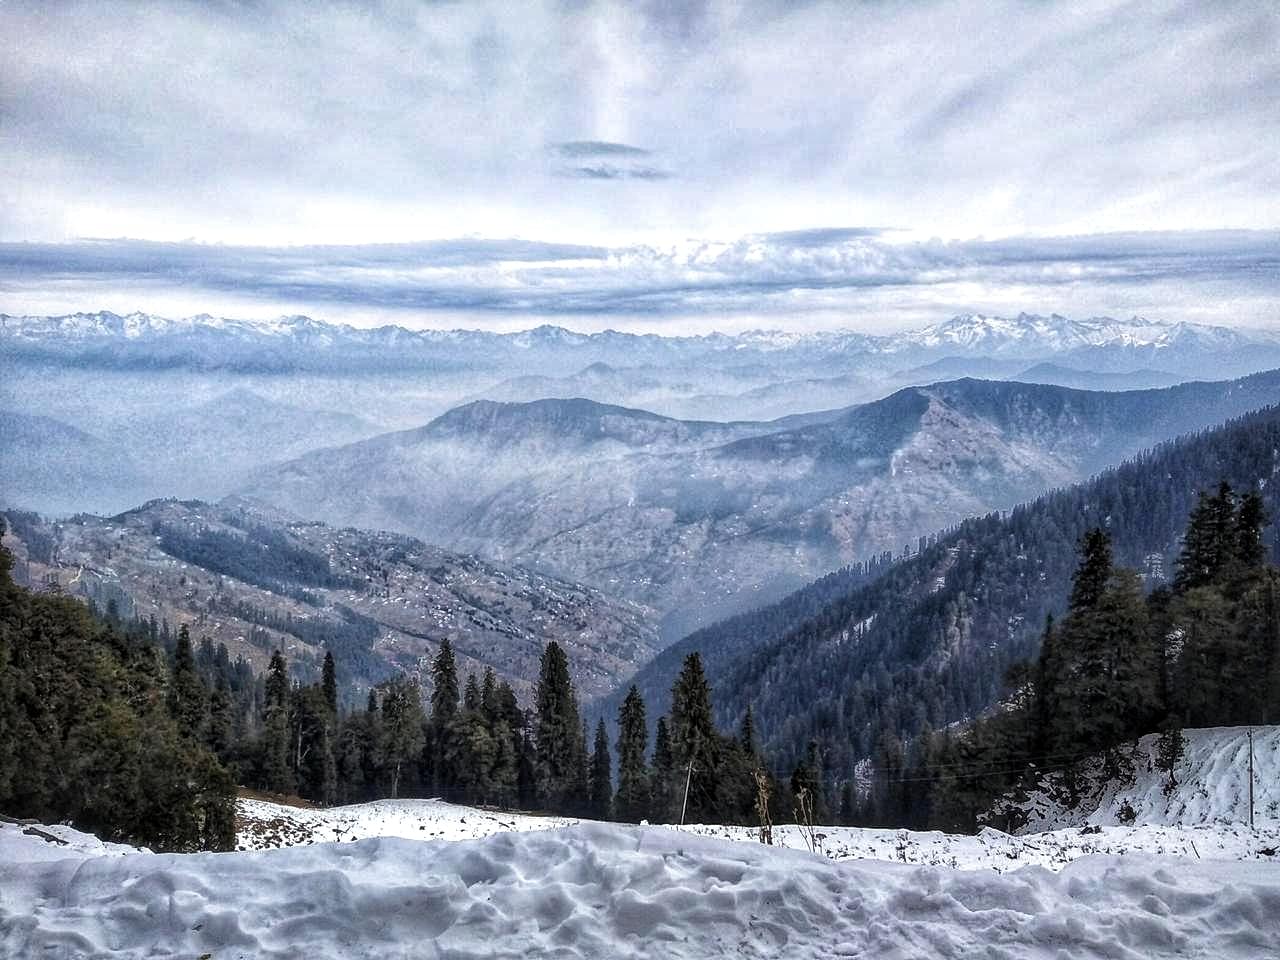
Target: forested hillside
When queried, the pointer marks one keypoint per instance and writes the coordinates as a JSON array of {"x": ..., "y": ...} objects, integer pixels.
[
  {"x": 95, "y": 728},
  {"x": 929, "y": 642},
  {"x": 381, "y": 603}
]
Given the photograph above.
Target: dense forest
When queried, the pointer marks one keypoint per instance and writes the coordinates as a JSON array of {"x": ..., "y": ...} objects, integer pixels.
[
  {"x": 93, "y": 729},
  {"x": 928, "y": 642},
  {"x": 140, "y": 733},
  {"x": 1202, "y": 651}
]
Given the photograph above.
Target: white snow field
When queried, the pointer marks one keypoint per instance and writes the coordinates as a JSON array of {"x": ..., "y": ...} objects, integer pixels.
[
  {"x": 607, "y": 891},
  {"x": 422, "y": 878},
  {"x": 269, "y": 825},
  {"x": 1212, "y": 785}
]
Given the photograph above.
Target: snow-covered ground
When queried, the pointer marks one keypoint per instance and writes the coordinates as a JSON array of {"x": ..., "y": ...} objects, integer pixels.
[
  {"x": 424, "y": 878},
  {"x": 600, "y": 890},
  {"x": 1212, "y": 786},
  {"x": 265, "y": 825}
]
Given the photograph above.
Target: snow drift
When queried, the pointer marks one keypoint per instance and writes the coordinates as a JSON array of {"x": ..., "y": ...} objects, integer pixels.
[
  {"x": 1212, "y": 786},
  {"x": 596, "y": 890}
]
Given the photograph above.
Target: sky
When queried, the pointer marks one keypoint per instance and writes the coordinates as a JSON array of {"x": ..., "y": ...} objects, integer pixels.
[{"x": 652, "y": 165}]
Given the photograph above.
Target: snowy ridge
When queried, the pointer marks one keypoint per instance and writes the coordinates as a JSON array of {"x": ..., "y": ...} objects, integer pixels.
[
  {"x": 596, "y": 890},
  {"x": 1023, "y": 335},
  {"x": 264, "y": 825},
  {"x": 1212, "y": 787}
]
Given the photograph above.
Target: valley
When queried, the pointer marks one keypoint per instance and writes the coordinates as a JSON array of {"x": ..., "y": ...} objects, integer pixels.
[{"x": 257, "y": 581}]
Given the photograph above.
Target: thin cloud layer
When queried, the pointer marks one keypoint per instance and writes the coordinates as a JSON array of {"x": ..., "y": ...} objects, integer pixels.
[
  {"x": 798, "y": 279},
  {"x": 273, "y": 122}
]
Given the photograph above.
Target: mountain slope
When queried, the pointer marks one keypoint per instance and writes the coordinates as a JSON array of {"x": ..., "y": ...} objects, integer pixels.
[
  {"x": 211, "y": 447},
  {"x": 382, "y": 603},
  {"x": 1211, "y": 786},
  {"x": 929, "y": 640},
  {"x": 54, "y": 466},
  {"x": 702, "y": 520}
]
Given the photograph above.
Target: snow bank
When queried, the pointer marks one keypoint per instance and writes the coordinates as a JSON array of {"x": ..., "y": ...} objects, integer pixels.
[
  {"x": 598, "y": 890},
  {"x": 18, "y": 845},
  {"x": 263, "y": 825},
  {"x": 1212, "y": 786}
]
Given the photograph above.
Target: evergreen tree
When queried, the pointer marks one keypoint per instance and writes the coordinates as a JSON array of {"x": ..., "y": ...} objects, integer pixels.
[
  {"x": 402, "y": 726},
  {"x": 277, "y": 774},
  {"x": 748, "y": 735},
  {"x": 187, "y": 694},
  {"x": 1094, "y": 571},
  {"x": 329, "y": 683},
  {"x": 632, "y": 803},
  {"x": 442, "y": 749},
  {"x": 601, "y": 786},
  {"x": 444, "y": 691},
  {"x": 471, "y": 694},
  {"x": 558, "y": 735},
  {"x": 221, "y": 737},
  {"x": 1210, "y": 543},
  {"x": 695, "y": 744},
  {"x": 663, "y": 808}
]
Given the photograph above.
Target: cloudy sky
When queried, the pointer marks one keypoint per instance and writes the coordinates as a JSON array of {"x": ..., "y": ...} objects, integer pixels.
[{"x": 650, "y": 165}]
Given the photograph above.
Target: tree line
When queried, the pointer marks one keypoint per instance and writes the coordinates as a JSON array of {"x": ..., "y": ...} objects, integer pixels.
[
  {"x": 1201, "y": 651},
  {"x": 140, "y": 733},
  {"x": 471, "y": 742},
  {"x": 93, "y": 729}
]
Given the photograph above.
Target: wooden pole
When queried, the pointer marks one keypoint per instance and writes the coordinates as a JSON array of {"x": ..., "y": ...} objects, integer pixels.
[
  {"x": 1250, "y": 778},
  {"x": 685, "y": 806}
]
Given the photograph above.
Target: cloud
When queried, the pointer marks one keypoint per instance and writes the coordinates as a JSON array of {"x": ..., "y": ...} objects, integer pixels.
[
  {"x": 577, "y": 149},
  {"x": 390, "y": 120},
  {"x": 602, "y": 160},
  {"x": 806, "y": 279}
]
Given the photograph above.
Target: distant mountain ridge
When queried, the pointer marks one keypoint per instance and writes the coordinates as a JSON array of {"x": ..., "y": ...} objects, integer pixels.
[
  {"x": 197, "y": 339},
  {"x": 702, "y": 519},
  {"x": 927, "y": 642}
]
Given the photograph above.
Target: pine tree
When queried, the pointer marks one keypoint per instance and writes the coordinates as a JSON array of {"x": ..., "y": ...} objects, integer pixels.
[
  {"x": 221, "y": 730},
  {"x": 632, "y": 803},
  {"x": 402, "y": 726},
  {"x": 557, "y": 735},
  {"x": 329, "y": 682},
  {"x": 695, "y": 744},
  {"x": 748, "y": 735},
  {"x": 663, "y": 783},
  {"x": 444, "y": 692},
  {"x": 489, "y": 695},
  {"x": 442, "y": 749},
  {"x": 471, "y": 694},
  {"x": 601, "y": 776},
  {"x": 1094, "y": 570},
  {"x": 187, "y": 695},
  {"x": 277, "y": 774},
  {"x": 1210, "y": 543}
]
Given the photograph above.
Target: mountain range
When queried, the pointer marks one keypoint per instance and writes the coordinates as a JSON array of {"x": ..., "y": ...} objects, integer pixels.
[
  {"x": 925, "y": 642},
  {"x": 296, "y": 343},
  {"x": 703, "y": 519}
]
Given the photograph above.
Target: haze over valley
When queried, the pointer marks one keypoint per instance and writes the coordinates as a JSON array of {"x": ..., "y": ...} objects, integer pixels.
[{"x": 600, "y": 480}]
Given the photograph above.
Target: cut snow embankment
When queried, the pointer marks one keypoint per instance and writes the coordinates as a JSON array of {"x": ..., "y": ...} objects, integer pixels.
[
  {"x": 1212, "y": 787},
  {"x": 263, "y": 825},
  {"x": 596, "y": 890}
]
